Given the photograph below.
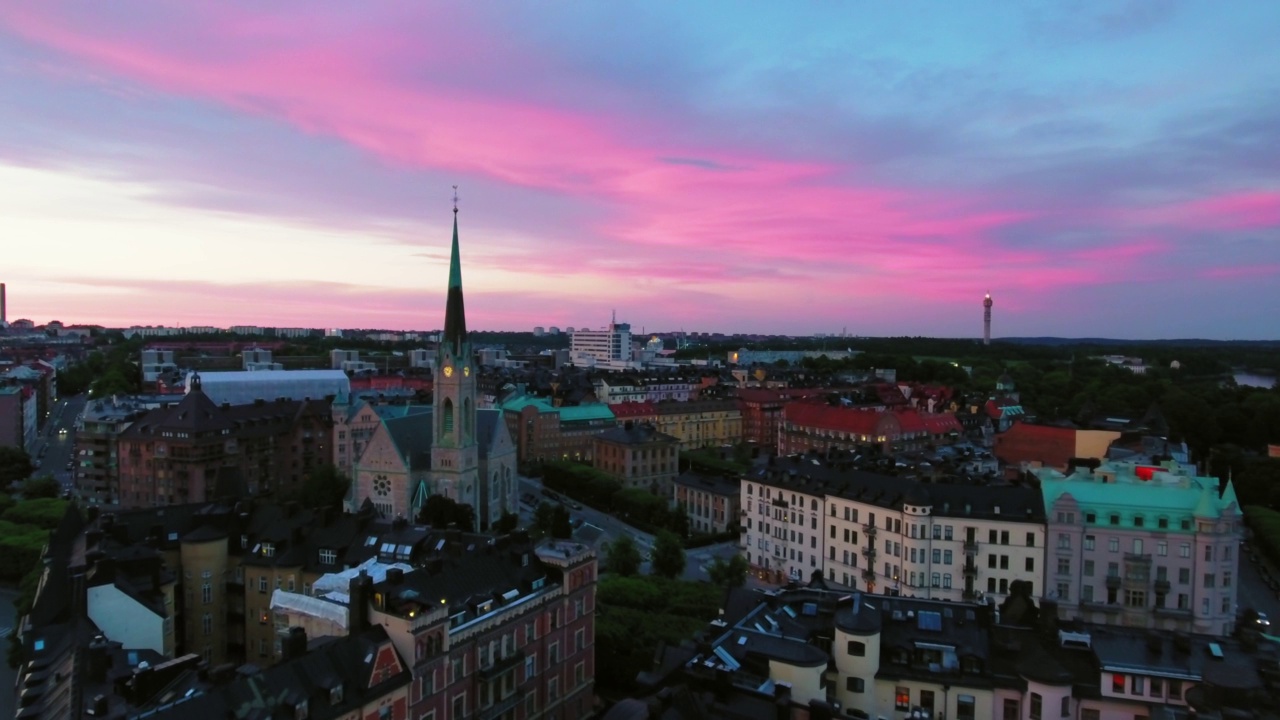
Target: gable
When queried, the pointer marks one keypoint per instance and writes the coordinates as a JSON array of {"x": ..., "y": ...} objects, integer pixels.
[
  {"x": 381, "y": 453},
  {"x": 386, "y": 665}
]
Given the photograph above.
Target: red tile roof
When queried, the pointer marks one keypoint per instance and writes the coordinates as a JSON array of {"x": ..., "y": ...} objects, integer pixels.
[
  {"x": 831, "y": 417},
  {"x": 632, "y": 409}
]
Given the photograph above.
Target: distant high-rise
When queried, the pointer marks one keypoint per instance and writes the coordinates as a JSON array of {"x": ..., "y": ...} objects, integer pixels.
[
  {"x": 3, "y": 317},
  {"x": 986, "y": 320}
]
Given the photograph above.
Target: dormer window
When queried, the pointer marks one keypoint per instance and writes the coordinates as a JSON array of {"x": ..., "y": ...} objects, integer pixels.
[
  {"x": 268, "y": 549},
  {"x": 328, "y": 557},
  {"x": 300, "y": 711},
  {"x": 335, "y": 694}
]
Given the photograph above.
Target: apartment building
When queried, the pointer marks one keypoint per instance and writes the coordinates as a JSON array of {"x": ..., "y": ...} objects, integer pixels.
[
  {"x": 819, "y": 652},
  {"x": 638, "y": 456},
  {"x": 817, "y": 425},
  {"x": 97, "y": 459},
  {"x": 762, "y": 412},
  {"x": 1143, "y": 545},
  {"x": 712, "y": 502},
  {"x": 700, "y": 423},
  {"x": 542, "y": 431},
  {"x": 803, "y": 515},
  {"x": 175, "y": 454}
]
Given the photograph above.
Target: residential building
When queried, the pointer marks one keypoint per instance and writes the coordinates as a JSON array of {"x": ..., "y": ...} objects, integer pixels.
[
  {"x": 353, "y": 424},
  {"x": 1152, "y": 546},
  {"x": 155, "y": 363},
  {"x": 891, "y": 535},
  {"x": 817, "y": 425},
  {"x": 616, "y": 389},
  {"x": 713, "y": 502},
  {"x": 175, "y": 454},
  {"x": 241, "y": 386},
  {"x": 543, "y": 431},
  {"x": 820, "y": 652},
  {"x": 96, "y": 454},
  {"x": 700, "y": 423},
  {"x": 638, "y": 456},
  {"x": 13, "y": 431},
  {"x": 762, "y": 412}
]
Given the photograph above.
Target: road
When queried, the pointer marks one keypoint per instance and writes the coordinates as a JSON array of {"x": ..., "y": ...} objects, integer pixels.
[
  {"x": 1254, "y": 593},
  {"x": 57, "y": 442},
  {"x": 598, "y": 529}
]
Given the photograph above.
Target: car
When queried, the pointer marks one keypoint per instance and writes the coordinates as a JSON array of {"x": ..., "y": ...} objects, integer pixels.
[
  {"x": 575, "y": 504},
  {"x": 1262, "y": 621}
]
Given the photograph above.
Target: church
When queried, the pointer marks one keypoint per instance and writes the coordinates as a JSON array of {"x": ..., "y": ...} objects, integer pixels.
[{"x": 451, "y": 448}]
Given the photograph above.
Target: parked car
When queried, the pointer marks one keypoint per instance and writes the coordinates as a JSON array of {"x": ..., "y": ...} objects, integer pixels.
[{"x": 1262, "y": 621}]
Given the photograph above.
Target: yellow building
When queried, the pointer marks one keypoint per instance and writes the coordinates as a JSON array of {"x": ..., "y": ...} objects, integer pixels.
[{"x": 700, "y": 423}]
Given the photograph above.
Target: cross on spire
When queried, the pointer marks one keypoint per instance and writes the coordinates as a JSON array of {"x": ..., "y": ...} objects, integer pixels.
[{"x": 455, "y": 199}]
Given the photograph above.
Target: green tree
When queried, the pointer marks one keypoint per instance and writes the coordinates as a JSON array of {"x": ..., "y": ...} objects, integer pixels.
[
  {"x": 623, "y": 557},
  {"x": 15, "y": 465},
  {"x": 508, "y": 522},
  {"x": 561, "y": 523},
  {"x": 544, "y": 517},
  {"x": 43, "y": 486},
  {"x": 441, "y": 512},
  {"x": 728, "y": 573},
  {"x": 324, "y": 486},
  {"x": 668, "y": 555}
]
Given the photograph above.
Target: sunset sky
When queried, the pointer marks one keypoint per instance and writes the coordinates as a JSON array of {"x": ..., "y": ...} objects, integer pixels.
[{"x": 1102, "y": 168}]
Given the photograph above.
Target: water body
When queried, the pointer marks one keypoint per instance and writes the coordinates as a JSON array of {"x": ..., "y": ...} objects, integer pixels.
[{"x": 1252, "y": 380}]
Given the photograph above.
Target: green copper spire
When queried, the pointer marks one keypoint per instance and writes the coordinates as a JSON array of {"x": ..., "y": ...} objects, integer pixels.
[{"x": 455, "y": 318}]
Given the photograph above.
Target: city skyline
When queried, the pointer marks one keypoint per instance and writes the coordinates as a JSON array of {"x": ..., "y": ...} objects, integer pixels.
[{"x": 1103, "y": 170}]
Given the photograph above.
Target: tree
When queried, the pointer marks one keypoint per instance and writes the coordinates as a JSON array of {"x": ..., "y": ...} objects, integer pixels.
[
  {"x": 43, "y": 486},
  {"x": 441, "y": 512},
  {"x": 324, "y": 486},
  {"x": 15, "y": 465},
  {"x": 668, "y": 555},
  {"x": 728, "y": 573},
  {"x": 544, "y": 516},
  {"x": 508, "y": 522},
  {"x": 623, "y": 558},
  {"x": 561, "y": 524}
]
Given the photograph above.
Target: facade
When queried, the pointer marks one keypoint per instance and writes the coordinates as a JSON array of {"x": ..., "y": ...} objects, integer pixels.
[
  {"x": 353, "y": 426},
  {"x": 815, "y": 425},
  {"x": 762, "y": 412},
  {"x": 711, "y": 501},
  {"x": 176, "y": 454},
  {"x": 240, "y": 387},
  {"x": 542, "y": 431},
  {"x": 97, "y": 458},
  {"x": 12, "y": 426},
  {"x": 816, "y": 652},
  {"x": 638, "y": 456},
  {"x": 1142, "y": 545},
  {"x": 700, "y": 423},
  {"x": 609, "y": 348},
  {"x": 156, "y": 363},
  {"x": 891, "y": 535}
]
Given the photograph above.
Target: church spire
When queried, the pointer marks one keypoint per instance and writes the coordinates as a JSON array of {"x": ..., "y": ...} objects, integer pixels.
[{"x": 455, "y": 319}]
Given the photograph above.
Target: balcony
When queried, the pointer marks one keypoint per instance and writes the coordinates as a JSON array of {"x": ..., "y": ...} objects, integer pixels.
[
  {"x": 1176, "y": 613},
  {"x": 1099, "y": 606},
  {"x": 1162, "y": 586},
  {"x": 1113, "y": 582},
  {"x": 970, "y": 569},
  {"x": 869, "y": 529},
  {"x": 971, "y": 546},
  {"x": 501, "y": 665},
  {"x": 869, "y": 553},
  {"x": 869, "y": 576}
]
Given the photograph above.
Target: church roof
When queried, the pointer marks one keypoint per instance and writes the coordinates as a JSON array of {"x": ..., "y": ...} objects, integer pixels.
[
  {"x": 412, "y": 437},
  {"x": 455, "y": 318}
]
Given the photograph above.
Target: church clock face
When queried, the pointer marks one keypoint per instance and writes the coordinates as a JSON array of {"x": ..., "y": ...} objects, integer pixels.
[{"x": 448, "y": 371}]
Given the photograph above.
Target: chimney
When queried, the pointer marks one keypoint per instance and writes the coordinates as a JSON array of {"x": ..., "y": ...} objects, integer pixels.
[
  {"x": 395, "y": 576},
  {"x": 360, "y": 591},
  {"x": 295, "y": 644},
  {"x": 99, "y": 661}
]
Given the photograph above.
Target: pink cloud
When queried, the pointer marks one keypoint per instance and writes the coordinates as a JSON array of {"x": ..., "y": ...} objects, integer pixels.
[{"x": 1240, "y": 211}]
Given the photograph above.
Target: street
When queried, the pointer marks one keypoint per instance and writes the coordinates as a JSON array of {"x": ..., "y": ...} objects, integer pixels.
[
  {"x": 55, "y": 448},
  {"x": 1253, "y": 591},
  {"x": 597, "y": 529}
]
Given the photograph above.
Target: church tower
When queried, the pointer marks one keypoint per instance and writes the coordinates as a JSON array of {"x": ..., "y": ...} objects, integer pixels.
[{"x": 454, "y": 451}]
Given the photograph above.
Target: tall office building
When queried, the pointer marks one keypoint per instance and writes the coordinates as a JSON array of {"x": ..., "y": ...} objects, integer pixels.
[
  {"x": 610, "y": 346},
  {"x": 986, "y": 320}
]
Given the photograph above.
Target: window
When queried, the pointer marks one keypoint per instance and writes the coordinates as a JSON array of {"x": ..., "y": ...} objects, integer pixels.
[
  {"x": 1117, "y": 683},
  {"x": 262, "y": 584},
  {"x": 946, "y": 532},
  {"x": 530, "y": 666},
  {"x": 1064, "y": 541},
  {"x": 1175, "y": 689},
  {"x": 1162, "y": 548},
  {"x": 857, "y": 649},
  {"x": 328, "y": 557},
  {"x": 965, "y": 707},
  {"x": 1086, "y": 593},
  {"x": 1137, "y": 521},
  {"x": 902, "y": 698},
  {"x": 206, "y": 624},
  {"x": 1004, "y": 537},
  {"x": 1208, "y": 553},
  {"x": 1031, "y": 539},
  {"x": 1184, "y": 550},
  {"x": 1157, "y": 687},
  {"x": 1064, "y": 591},
  {"x": 1088, "y": 568},
  {"x": 937, "y": 555},
  {"x": 1136, "y": 684},
  {"x": 1088, "y": 542},
  {"x": 1226, "y": 578},
  {"x": 206, "y": 593},
  {"x": 1113, "y": 545},
  {"x": 1184, "y": 576},
  {"x": 1208, "y": 580},
  {"x": 1036, "y": 709},
  {"x": 1010, "y": 709},
  {"x": 1115, "y": 519},
  {"x": 946, "y": 557},
  {"x": 1135, "y": 598},
  {"x": 1137, "y": 546},
  {"x": 1066, "y": 706},
  {"x": 854, "y": 685},
  {"x": 1064, "y": 566}
]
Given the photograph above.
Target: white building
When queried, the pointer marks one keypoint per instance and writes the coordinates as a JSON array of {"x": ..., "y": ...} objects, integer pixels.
[{"x": 609, "y": 348}]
